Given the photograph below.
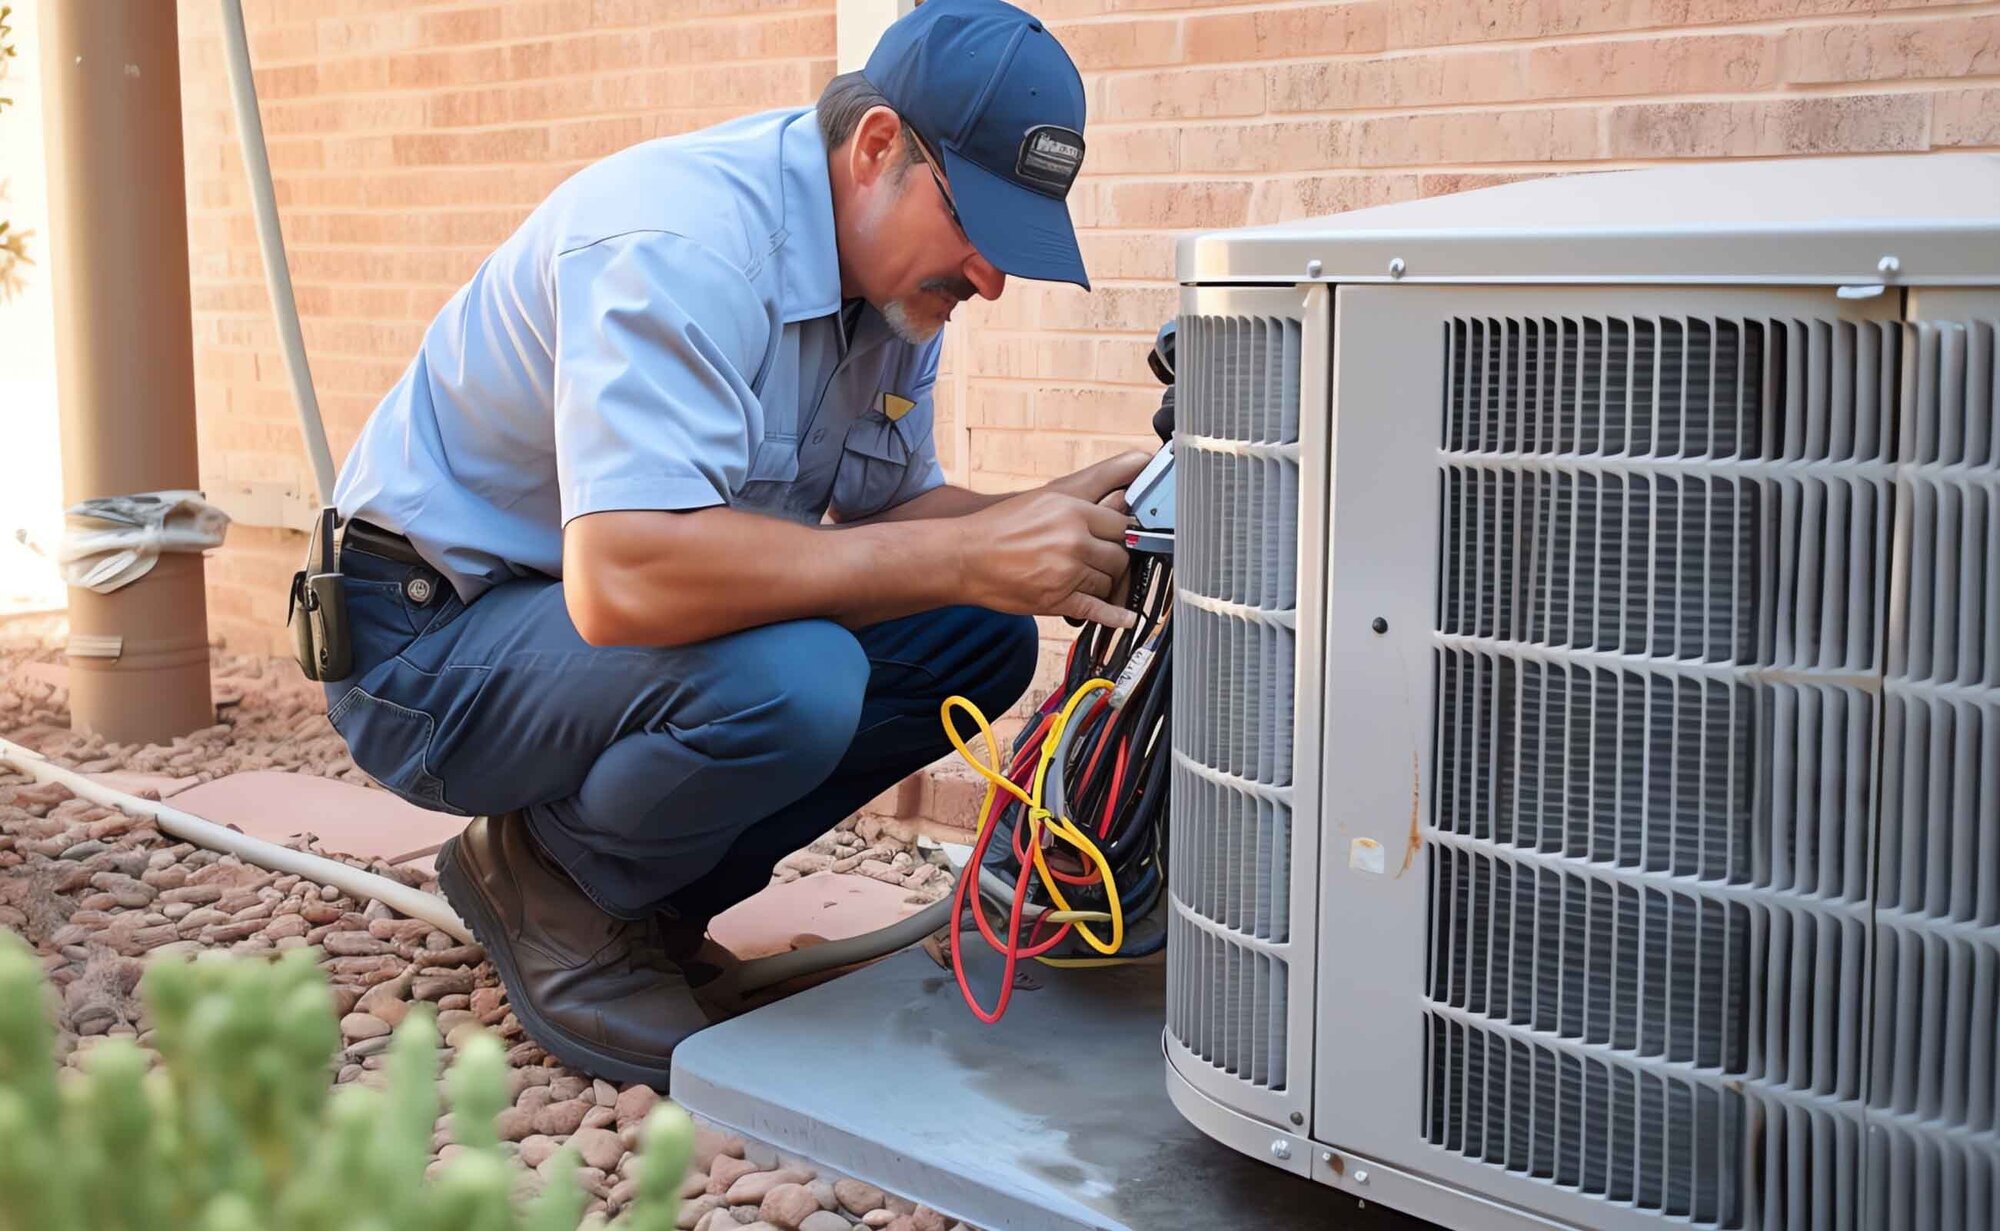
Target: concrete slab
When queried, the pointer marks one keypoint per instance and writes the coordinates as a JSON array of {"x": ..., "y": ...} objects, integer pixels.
[
  {"x": 824, "y": 905},
  {"x": 348, "y": 819},
  {"x": 1056, "y": 1119}
]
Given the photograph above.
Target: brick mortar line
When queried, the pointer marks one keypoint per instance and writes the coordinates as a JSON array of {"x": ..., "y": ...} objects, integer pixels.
[
  {"x": 207, "y": 34},
  {"x": 265, "y": 98},
  {"x": 350, "y": 93},
  {"x": 1781, "y": 91},
  {"x": 1910, "y": 12},
  {"x": 451, "y": 49}
]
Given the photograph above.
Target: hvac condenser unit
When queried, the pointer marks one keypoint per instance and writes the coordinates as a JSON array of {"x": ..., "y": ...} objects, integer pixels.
[{"x": 1587, "y": 733}]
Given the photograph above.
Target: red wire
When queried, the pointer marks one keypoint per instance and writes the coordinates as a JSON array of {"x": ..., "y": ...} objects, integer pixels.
[
  {"x": 1117, "y": 781},
  {"x": 968, "y": 876},
  {"x": 965, "y": 896}
]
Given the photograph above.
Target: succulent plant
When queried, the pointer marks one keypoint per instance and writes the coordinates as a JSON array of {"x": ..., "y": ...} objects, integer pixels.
[{"x": 236, "y": 1127}]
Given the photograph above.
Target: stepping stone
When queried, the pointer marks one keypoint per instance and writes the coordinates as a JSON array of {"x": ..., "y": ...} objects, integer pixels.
[
  {"x": 348, "y": 819},
  {"x": 134, "y": 783},
  {"x": 824, "y": 905},
  {"x": 55, "y": 675}
]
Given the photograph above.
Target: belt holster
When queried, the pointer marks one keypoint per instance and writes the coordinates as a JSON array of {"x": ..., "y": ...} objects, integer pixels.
[{"x": 317, "y": 611}]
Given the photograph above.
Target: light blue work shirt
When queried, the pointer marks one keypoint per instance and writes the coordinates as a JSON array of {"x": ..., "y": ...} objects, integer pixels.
[{"x": 664, "y": 332}]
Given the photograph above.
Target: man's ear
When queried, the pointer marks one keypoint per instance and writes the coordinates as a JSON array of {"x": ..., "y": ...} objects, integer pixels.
[{"x": 876, "y": 148}]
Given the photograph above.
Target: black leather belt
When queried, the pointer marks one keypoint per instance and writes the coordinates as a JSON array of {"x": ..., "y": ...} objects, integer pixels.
[{"x": 359, "y": 535}]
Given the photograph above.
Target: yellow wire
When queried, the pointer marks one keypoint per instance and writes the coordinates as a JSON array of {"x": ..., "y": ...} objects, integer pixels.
[
  {"x": 1038, "y": 816},
  {"x": 1086, "y": 963}
]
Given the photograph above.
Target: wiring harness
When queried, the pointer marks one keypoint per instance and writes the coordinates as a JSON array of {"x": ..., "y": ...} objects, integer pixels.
[{"x": 1070, "y": 862}]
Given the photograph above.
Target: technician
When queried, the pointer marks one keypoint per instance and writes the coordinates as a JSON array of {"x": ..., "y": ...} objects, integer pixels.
[{"x": 650, "y": 566}]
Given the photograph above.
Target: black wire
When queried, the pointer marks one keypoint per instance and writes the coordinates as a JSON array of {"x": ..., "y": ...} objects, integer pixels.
[{"x": 1135, "y": 845}]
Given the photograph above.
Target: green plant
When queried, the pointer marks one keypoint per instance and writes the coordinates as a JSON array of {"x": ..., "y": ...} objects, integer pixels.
[
  {"x": 13, "y": 243},
  {"x": 235, "y": 1128}
]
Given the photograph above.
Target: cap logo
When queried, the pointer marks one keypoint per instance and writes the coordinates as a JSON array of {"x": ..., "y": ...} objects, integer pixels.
[{"x": 1050, "y": 158}]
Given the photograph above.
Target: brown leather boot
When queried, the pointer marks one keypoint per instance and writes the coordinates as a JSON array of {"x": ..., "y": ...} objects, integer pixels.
[{"x": 600, "y": 994}]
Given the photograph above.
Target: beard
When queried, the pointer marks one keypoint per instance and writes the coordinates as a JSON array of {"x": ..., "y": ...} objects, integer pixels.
[
  {"x": 898, "y": 315},
  {"x": 916, "y": 329}
]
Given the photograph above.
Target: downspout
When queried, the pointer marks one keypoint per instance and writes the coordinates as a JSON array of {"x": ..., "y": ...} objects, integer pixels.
[{"x": 138, "y": 656}]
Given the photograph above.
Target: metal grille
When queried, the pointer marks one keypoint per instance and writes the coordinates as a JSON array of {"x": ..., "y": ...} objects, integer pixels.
[
  {"x": 1237, "y": 463},
  {"x": 1935, "y": 1142},
  {"x": 1664, "y": 580}
]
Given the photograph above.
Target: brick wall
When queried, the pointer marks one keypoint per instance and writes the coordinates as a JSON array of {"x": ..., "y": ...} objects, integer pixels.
[
  {"x": 407, "y": 138},
  {"x": 410, "y": 136}
]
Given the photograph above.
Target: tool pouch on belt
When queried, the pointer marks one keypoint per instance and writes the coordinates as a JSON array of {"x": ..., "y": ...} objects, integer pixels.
[{"x": 317, "y": 612}]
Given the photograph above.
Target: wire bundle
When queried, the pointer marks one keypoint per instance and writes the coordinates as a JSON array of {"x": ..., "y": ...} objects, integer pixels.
[{"x": 1072, "y": 828}]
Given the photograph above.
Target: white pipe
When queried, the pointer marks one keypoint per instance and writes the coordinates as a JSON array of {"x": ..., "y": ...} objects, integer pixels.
[
  {"x": 188, "y": 827},
  {"x": 271, "y": 243}
]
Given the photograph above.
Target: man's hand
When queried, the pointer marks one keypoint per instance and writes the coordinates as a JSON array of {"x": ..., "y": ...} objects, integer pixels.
[
  {"x": 1095, "y": 483},
  {"x": 1049, "y": 552}
]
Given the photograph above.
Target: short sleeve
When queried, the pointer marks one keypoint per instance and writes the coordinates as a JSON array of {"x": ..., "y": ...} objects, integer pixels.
[{"x": 657, "y": 340}]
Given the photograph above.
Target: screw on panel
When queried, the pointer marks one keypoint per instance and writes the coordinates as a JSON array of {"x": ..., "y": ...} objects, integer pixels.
[
  {"x": 1360, "y": 1175},
  {"x": 1396, "y": 267},
  {"x": 1298, "y": 1117},
  {"x": 1281, "y": 1149},
  {"x": 1888, "y": 265},
  {"x": 1313, "y": 268},
  {"x": 1379, "y": 624}
]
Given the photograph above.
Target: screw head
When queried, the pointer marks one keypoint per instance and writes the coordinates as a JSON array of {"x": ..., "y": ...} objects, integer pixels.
[
  {"x": 1360, "y": 1175},
  {"x": 1396, "y": 267},
  {"x": 1379, "y": 624},
  {"x": 1888, "y": 265},
  {"x": 1298, "y": 1117},
  {"x": 1312, "y": 268},
  {"x": 1281, "y": 1149}
]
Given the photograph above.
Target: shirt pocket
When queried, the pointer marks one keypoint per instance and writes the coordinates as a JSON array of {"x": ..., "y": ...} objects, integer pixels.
[
  {"x": 873, "y": 462},
  {"x": 773, "y": 471}
]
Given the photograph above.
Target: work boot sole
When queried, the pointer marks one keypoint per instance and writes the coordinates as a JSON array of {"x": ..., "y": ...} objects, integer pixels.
[{"x": 577, "y": 1053}]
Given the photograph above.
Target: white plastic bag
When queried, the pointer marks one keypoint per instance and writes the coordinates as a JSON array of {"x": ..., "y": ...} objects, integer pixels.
[{"x": 112, "y": 542}]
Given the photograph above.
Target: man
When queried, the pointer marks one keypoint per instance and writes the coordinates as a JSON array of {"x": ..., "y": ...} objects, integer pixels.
[{"x": 593, "y": 600}]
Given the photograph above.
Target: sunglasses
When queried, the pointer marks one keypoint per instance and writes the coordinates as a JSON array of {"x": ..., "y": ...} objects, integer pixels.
[{"x": 936, "y": 169}]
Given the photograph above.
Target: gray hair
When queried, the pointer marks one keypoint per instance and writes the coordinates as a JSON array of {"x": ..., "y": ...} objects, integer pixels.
[{"x": 844, "y": 101}]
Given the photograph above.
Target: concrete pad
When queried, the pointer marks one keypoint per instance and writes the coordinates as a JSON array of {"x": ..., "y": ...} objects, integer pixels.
[
  {"x": 827, "y": 905},
  {"x": 1055, "y": 1119},
  {"x": 349, "y": 819}
]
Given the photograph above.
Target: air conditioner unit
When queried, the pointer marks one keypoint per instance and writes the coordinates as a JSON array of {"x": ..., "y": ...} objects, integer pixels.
[{"x": 1587, "y": 733}]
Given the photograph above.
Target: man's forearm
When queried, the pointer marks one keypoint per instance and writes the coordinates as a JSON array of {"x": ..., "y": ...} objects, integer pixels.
[
  {"x": 654, "y": 578},
  {"x": 946, "y": 501}
]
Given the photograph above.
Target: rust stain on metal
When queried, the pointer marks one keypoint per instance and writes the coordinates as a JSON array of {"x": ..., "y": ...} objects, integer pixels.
[
  {"x": 1416, "y": 827},
  {"x": 1338, "y": 1162}
]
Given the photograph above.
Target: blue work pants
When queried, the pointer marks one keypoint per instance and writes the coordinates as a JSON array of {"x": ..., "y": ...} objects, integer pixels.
[{"x": 660, "y": 778}]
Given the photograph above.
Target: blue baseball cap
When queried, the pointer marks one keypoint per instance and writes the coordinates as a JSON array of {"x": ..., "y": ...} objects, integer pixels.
[{"x": 996, "y": 97}]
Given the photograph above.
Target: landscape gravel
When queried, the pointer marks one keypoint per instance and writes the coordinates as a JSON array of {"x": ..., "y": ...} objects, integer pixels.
[{"x": 99, "y": 893}]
